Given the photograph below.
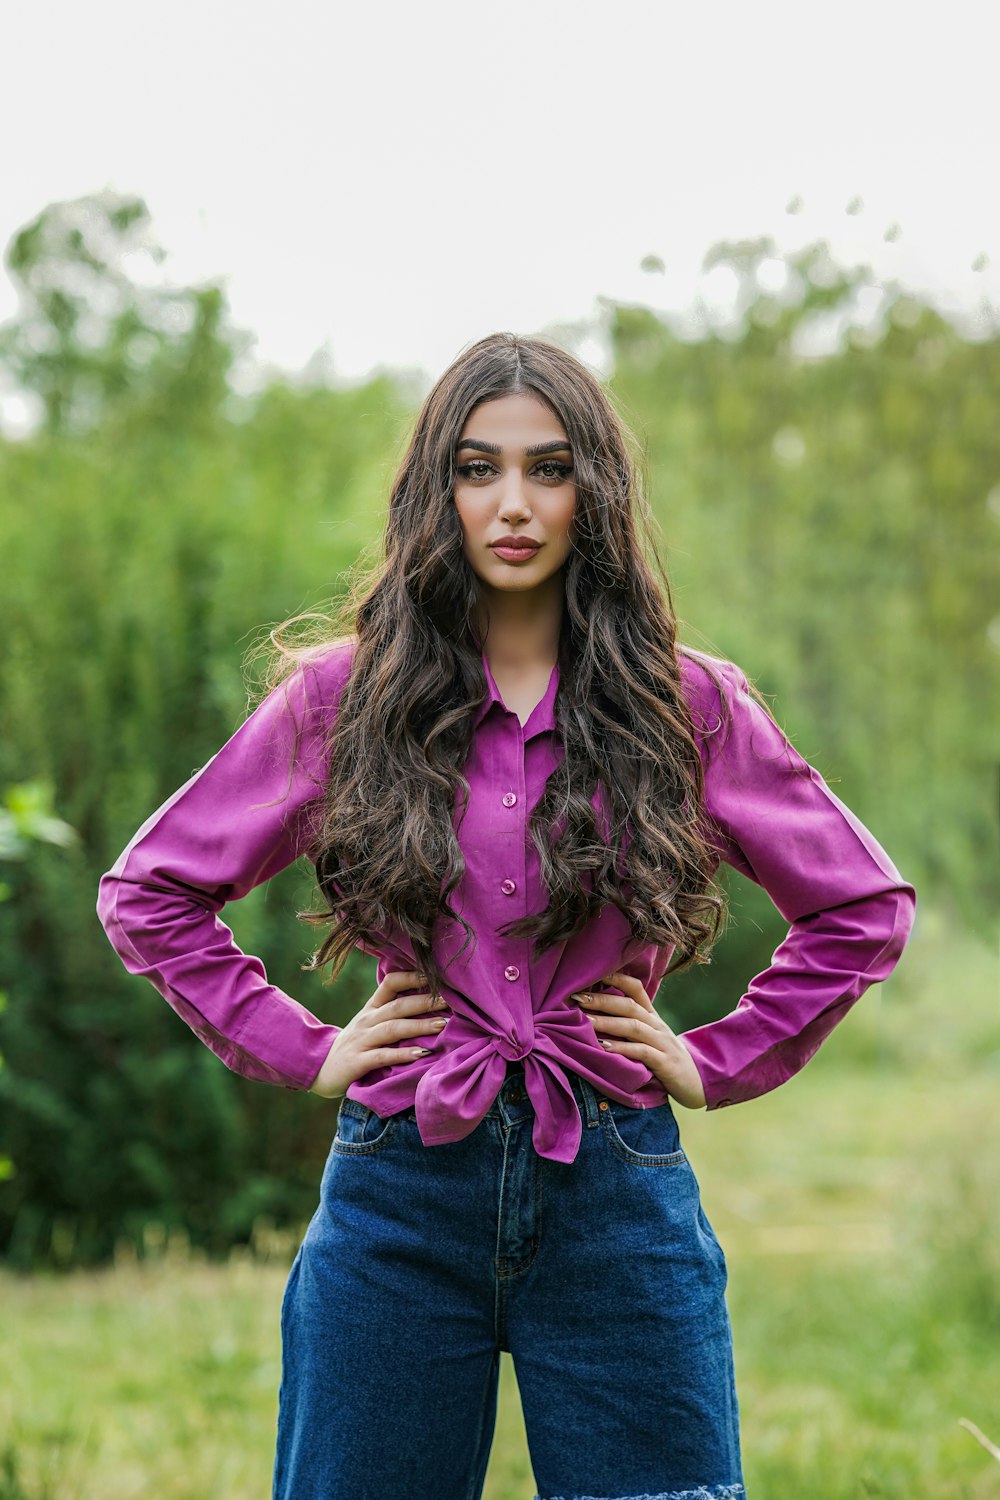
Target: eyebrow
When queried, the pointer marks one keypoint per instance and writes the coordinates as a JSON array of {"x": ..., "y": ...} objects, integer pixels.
[{"x": 558, "y": 446}]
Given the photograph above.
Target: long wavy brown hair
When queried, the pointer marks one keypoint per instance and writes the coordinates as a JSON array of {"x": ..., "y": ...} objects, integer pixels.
[{"x": 386, "y": 849}]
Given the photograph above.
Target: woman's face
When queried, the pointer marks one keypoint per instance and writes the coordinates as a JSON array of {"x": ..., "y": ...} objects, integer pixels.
[{"x": 514, "y": 478}]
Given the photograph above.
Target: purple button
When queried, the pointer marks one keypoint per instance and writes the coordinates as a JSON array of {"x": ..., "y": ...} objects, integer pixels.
[
  {"x": 508, "y": 799},
  {"x": 512, "y": 972},
  {"x": 508, "y": 887}
]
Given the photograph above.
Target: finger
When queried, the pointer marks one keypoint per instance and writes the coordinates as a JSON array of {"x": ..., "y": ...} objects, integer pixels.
[
  {"x": 632, "y": 987},
  {"x": 394, "y": 981},
  {"x": 646, "y": 1042},
  {"x": 410, "y": 1005},
  {"x": 593, "y": 1001},
  {"x": 648, "y": 1025},
  {"x": 642, "y": 1051},
  {"x": 391, "y": 1057},
  {"x": 404, "y": 1028},
  {"x": 625, "y": 1028}
]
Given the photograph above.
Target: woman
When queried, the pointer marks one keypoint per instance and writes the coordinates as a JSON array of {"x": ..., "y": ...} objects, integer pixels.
[{"x": 516, "y": 788}]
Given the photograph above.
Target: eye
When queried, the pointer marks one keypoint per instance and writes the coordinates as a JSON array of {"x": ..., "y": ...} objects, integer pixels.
[
  {"x": 560, "y": 471},
  {"x": 557, "y": 471}
]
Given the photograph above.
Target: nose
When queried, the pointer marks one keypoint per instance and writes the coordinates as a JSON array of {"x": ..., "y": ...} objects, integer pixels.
[{"x": 514, "y": 501}]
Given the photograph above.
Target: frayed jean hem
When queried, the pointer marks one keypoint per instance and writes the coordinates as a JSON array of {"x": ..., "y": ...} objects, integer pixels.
[{"x": 703, "y": 1492}]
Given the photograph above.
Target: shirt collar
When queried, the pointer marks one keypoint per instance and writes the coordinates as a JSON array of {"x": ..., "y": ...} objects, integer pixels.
[{"x": 542, "y": 716}]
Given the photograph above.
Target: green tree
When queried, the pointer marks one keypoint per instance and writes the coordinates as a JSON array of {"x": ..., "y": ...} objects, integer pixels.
[
  {"x": 177, "y": 519},
  {"x": 26, "y": 819},
  {"x": 91, "y": 341},
  {"x": 829, "y": 526}
]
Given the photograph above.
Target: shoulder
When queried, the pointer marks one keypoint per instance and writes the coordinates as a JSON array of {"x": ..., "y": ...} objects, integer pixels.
[
  {"x": 321, "y": 673},
  {"x": 730, "y": 719},
  {"x": 711, "y": 686},
  {"x": 733, "y": 725},
  {"x": 307, "y": 695}
]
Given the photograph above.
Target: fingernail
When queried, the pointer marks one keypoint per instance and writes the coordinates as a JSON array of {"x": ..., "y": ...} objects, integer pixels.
[{"x": 421, "y": 1051}]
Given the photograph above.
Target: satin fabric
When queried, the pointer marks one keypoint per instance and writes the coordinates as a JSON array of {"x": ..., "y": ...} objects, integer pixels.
[{"x": 251, "y": 811}]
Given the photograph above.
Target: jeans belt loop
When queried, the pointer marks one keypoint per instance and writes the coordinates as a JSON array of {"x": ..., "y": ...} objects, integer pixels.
[{"x": 589, "y": 1103}]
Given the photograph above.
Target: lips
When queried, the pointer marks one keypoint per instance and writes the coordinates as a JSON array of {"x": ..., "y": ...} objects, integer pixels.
[{"x": 518, "y": 546}]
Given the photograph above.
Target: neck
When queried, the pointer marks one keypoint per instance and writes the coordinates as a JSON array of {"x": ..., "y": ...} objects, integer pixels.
[{"x": 520, "y": 630}]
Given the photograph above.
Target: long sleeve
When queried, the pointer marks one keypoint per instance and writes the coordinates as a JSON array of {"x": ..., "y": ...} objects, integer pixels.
[
  {"x": 773, "y": 817},
  {"x": 237, "y": 822}
]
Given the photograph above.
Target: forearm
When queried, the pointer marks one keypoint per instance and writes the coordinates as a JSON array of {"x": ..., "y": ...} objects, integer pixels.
[
  {"x": 191, "y": 959},
  {"x": 243, "y": 817},
  {"x": 818, "y": 972}
]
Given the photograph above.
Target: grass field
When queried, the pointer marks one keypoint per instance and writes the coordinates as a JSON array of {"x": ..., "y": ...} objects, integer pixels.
[{"x": 859, "y": 1207}]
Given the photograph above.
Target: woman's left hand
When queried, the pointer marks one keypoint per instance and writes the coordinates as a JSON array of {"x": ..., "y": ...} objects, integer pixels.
[{"x": 629, "y": 1024}]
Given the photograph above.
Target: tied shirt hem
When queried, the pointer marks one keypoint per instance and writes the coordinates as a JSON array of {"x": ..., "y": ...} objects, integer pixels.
[{"x": 456, "y": 1089}]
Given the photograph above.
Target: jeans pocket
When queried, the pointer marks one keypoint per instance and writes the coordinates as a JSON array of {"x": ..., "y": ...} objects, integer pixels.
[
  {"x": 360, "y": 1131},
  {"x": 642, "y": 1137}
]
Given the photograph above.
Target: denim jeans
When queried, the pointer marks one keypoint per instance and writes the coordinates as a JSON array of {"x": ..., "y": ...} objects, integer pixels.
[{"x": 602, "y": 1278}]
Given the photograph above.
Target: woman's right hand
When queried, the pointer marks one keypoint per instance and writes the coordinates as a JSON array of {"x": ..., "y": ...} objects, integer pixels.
[{"x": 368, "y": 1040}]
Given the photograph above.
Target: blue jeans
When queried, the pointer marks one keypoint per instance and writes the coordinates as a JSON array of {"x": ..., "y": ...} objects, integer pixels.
[{"x": 602, "y": 1277}]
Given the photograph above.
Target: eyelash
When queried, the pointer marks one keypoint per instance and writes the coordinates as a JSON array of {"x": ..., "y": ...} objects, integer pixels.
[{"x": 563, "y": 471}]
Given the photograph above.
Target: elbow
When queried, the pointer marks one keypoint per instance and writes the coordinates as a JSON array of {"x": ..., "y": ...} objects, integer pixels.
[
  {"x": 108, "y": 909},
  {"x": 111, "y": 915},
  {"x": 107, "y": 892},
  {"x": 107, "y": 887},
  {"x": 906, "y": 911},
  {"x": 900, "y": 928}
]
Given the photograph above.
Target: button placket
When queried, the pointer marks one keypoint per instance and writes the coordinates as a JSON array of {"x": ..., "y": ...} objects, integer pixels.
[{"x": 520, "y": 1031}]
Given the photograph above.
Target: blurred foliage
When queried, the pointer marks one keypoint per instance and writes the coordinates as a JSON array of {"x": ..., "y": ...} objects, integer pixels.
[
  {"x": 829, "y": 526},
  {"x": 26, "y": 818}
]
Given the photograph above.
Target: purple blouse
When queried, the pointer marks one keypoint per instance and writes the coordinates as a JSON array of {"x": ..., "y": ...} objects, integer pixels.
[{"x": 248, "y": 813}]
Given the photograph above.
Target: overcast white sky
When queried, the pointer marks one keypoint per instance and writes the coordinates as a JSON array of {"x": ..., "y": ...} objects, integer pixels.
[{"x": 396, "y": 180}]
